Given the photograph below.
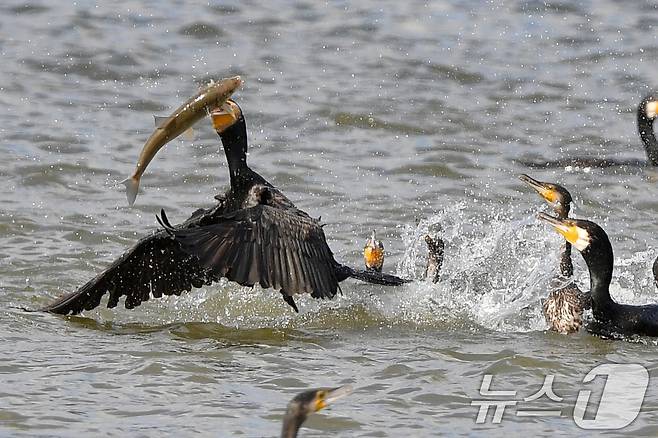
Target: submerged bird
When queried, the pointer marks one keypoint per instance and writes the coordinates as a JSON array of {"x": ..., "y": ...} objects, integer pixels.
[
  {"x": 647, "y": 111},
  {"x": 610, "y": 317},
  {"x": 255, "y": 234},
  {"x": 307, "y": 403},
  {"x": 373, "y": 253},
  {"x": 563, "y": 308}
]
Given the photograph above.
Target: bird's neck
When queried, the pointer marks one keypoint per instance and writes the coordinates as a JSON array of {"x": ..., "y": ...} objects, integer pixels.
[
  {"x": 600, "y": 263},
  {"x": 291, "y": 425},
  {"x": 566, "y": 265},
  {"x": 645, "y": 126},
  {"x": 234, "y": 140}
]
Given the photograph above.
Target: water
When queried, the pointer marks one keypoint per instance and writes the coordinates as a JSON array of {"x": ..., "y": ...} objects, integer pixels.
[{"x": 398, "y": 116}]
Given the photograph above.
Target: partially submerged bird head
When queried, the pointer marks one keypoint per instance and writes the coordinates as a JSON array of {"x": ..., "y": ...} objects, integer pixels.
[
  {"x": 225, "y": 116},
  {"x": 555, "y": 195},
  {"x": 307, "y": 403},
  {"x": 373, "y": 253}
]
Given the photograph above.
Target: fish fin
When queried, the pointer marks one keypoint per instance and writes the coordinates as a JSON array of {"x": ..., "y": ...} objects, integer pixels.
[
  {"x": 160, "y": 121},
  {"x": 132, "y": 186},
  {"x": 188, "y": 134}
]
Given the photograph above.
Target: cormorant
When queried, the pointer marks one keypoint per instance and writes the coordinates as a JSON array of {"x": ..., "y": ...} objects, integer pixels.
[
  {"x": 563, "y": 308},
  {"x": 306, "y": 403},
  {"x": 647, "y": 111},
  {"x": 609, "y": 317},
  {"x": 373, "y": 253},
  {"x": 254, "y": 234}
]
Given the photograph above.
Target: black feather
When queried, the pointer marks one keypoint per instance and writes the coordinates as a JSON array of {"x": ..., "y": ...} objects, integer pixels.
[{"x": 288, "y": 299}]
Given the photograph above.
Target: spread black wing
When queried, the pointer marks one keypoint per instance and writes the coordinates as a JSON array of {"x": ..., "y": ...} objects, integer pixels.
[
  {"x": 155, "y": 266},
  {"x": 276, "y": 248}
]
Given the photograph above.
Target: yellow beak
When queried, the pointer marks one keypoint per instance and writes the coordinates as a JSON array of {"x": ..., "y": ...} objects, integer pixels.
[{"x": 564, "y": 227}]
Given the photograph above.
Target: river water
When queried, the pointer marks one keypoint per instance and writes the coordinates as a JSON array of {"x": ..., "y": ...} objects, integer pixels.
[{"x": 398, "y": 116}]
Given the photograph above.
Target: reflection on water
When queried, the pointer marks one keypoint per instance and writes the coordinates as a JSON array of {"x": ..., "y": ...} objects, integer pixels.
[{"x": 406, "y": 117}]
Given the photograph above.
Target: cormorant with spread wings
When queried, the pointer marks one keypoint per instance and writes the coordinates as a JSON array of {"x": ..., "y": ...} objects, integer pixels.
[{"x": 254, "y": 235}]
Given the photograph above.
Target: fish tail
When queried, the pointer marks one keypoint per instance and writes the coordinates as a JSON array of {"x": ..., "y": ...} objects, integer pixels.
[{"x": 132, "y": 186}]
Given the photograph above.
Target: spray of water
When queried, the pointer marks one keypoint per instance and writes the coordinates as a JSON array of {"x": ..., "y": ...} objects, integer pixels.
[{"x": 496, "y": 272}]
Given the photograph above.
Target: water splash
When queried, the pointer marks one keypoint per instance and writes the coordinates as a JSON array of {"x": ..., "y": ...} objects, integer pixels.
[
  {"x": 495, "y": 271},
  {"x": 495, "y": 274}
]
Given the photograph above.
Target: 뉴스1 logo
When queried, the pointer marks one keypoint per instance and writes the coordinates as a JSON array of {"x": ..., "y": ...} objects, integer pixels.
[{"x": 620, "y": 403}]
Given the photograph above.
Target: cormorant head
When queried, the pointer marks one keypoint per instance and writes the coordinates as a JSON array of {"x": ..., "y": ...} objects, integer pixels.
[
  {"x": 557, "y": 196},
  {"x": 226, "y": 116},
  {"x": 586, "y": 236},
  {"x": 373, "y": 253},
  {"x": 593, "y": 244},
  {"x": 308, "y": 402},
  {"x": 649, "y": 107}
]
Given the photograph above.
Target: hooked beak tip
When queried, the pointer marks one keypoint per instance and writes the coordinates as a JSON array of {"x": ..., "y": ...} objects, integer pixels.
[
  {"x": 530, "y": 181},
  {"x": 339, "y": 392},
  {"x": 554, "y": 222}
]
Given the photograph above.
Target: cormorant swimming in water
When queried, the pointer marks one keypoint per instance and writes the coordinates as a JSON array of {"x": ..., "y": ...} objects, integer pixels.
[
  {"x": 647, "y": 111},
  {"x": 373, "y": 253},
  {"x": 306, "y": 403},
  {"x": 563, "y": 308},
  {"x": 253, "y": 235},
  {"x": 609, "y": 317}
]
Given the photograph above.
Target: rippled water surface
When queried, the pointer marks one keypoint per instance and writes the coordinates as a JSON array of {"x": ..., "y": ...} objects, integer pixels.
[{"x": 399, "y": 116}]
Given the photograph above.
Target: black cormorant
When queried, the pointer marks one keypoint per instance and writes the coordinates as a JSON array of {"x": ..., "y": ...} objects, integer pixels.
[
  {"x": 306, "y": 403},
  {"x": 647, "y": 111},
  {"x": 609, "y": 317},
  {"x": 563, "y": 308},
  {"x": 254, "y": 234}
]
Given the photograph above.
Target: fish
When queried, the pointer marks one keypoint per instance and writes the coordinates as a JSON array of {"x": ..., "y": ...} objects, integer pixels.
[{"x": 194, "y": 109}]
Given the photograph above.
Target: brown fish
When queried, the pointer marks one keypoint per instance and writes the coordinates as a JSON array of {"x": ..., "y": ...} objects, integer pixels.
[{"x": 194, "y": 109}]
